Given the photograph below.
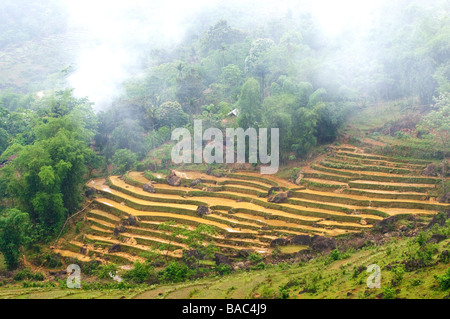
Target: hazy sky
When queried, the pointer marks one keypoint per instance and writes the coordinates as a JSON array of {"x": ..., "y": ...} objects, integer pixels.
[{"x": 117, "y": 30}]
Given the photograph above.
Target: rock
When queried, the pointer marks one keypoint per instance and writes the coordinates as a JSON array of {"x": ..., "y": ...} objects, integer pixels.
[
  {"x": 203, "y": 210},
  {"x": 244, "y": 253},
  {"x": 299, "y": 178},
  {"x": 404, "y": 228},
  {"x": 148, "y": 188},
  {"x": 439, "y": 219},
  {"x": 273, "y": 189},
  {"x": 195, "y": 182},
  {"x": 387, "y": 224},
  {"x": 436, "y": 238},
  {"x": 190, "y": 257},
  {"x": 430, "y": 170},
  {"x": 208, "y": 171},
  {"x": 265, "y": 228},
  {"x": 133, "y": 220},
  {"x": 414, "y": 264},
  {"x": 115, "y": 248},
  {"x": 218, "y": 175},
  {"x": 173, "y": 179},
  {"x": 323, "y": 244},
  {"x": 444, "y": 198},
  {"x": 221, "y": 259},
  {"x": 119, "y": 229},
  {"x": 240, "y": 265},
  {"x": 301, "y": 240},
  {"x": 279, "y": 198},
  {"x": 89, "y": 192},
  {"x": 279, "y": 242},
  {"x": 363, "y": 221},
  {"x": 84, "y": 250}
]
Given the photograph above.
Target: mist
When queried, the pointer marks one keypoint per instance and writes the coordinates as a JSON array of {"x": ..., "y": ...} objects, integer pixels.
[{"x": 117, "y": 36}]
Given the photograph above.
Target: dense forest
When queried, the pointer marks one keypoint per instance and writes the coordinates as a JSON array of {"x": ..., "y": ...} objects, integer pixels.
[{"x": 282, "y": 72}]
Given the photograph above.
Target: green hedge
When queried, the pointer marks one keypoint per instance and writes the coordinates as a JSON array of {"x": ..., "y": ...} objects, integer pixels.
[
  {"x": 386, "y": 158},
  {"x": 244, "y": 183},
  {"x": 253, "y": 178},
  {"x": 418, "y": 189},
  {"x": 383, "y": 169},
  {"x": 341, "y": 179},
  {"x": 338, "y": 158},
  {"x": 320, "y": 186},
  {"x": 361, "y": 192}
]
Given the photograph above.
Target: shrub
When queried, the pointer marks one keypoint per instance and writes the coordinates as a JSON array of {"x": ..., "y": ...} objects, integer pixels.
[
  {"x": 175, "y": 272},
  {"x": 141, "y": 272},
  {"x": 422, "y": 238},
  {"x": 284, "y": 294},
  {"x": 103, "y": 271},
  {"x": 444, "y": 280},
  {"x": 398, "y": 273},
  {"x": 255, "y": 258},
  {"x": 26, "y": 273},
  {"x": 389, "y": 293},
  {"x": 335, "y": 255},
  {"x": 223, "y": 269},
  {"x": 259, "y": 266}
]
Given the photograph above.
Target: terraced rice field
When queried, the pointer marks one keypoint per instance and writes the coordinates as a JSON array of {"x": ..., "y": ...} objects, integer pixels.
[{"x": 348, "y": 191}]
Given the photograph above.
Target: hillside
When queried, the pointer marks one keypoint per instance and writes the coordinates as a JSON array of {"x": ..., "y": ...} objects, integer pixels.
[
  {"x": 117, "y": 173},
  {"x": 377, "y": 208}
]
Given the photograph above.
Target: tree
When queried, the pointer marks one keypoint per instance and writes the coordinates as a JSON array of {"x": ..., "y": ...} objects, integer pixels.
[
  {"x": 124, "y": 160},
  {"x": 249, "y": 104},
  {"x": 46, "y": 176},
  {"x": 15, "y": 231},
  {"x": 171, "y": 114},
  {"x": 256, "y": 62},
  {"x": 438, "y": 123},
  {"x": 130, "y": 135}
]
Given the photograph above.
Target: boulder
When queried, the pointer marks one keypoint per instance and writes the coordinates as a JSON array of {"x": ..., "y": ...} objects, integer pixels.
[
  {"x": 173, "y": 179},
  {"x": 304, "y": 240},
  {"x": 133, "y": 220},
  {"x": 119, "y": 229},
  {"x": 444, "y": 198},
  {"x": 430, "y": 170},
  {"x": 115, "y": 248},
  {"x": 323, "y": 244},
  {"x": 273, "y": 189},
  {"x": 89, "y": 192},
  {"x": 439, "y": 219},
  {"x": 221, "y": 259},
  {"x": 436, "y": 238},
  {"x": 190, "y": 257},
  {"x": 203, "y": 210},
  {"x": 279, "y": 242},
  {"x": 387, "y": 224},
  {"x": 84, "y": 250},
  {"x": 244, "y": 253},
  {"x": 299, "y": 178},
  {"x": 279, "y": 198},
  {"x": 148, "y": 188},
  {"x": 195, "y": 182}
]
